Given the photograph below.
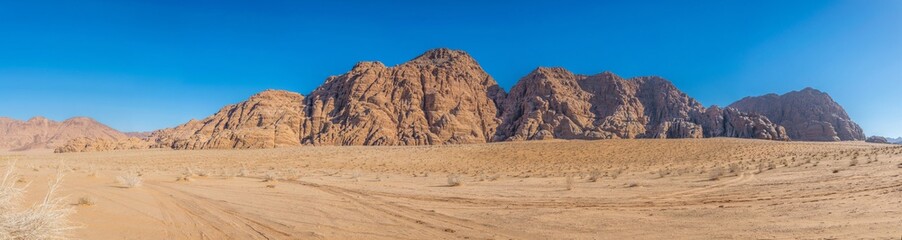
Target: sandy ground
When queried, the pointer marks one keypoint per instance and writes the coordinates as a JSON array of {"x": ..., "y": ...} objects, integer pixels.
[{"x": 644, "y": 189}]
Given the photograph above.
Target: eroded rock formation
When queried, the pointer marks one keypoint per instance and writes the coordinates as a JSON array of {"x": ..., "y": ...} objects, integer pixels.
[
  {"x": 267, "y": 120},
  {"x": 807, "y": 115},
  {"x": 440, "y": 97}
]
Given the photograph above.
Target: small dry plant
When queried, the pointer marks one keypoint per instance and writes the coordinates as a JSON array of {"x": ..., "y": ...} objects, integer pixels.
[
  {"x": 130, "y": 180},
  {"x": 85, "y": 201},
  {"x": 45, "y": 220},
  {"x": 593, "y": 176},
  {"x": 454, "y": 180},
  {"x": 715, "y": 173},
  {"x": 270, "y": 177}
]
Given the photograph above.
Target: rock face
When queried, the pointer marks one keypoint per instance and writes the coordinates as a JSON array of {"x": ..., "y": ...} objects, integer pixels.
[
  {"x": 445, "y": 97},
  {"x": 42, "y": 133},
  {"x": 440, "y": 97},
  {"x": 267, "y": 120},
  {"x": 877, "y": 139},
  {"x": 555, "y": 103},
  {"x": 730, "y": 122},
  {"x": 85, "y": 144},
  {"x": 807, "y": 115}
]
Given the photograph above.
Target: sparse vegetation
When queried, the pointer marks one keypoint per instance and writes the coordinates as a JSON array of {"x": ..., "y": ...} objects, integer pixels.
[
  {"x": 593, "y": 176},
  {"x": 130, "y": 180},
  {"x": 454, "y": 180},
  {"x": 270, "y": 177},
  {"x": 85, "y": 201},
  {"x": 715, "y": 173},
  {"x": 45, "y": 220}
]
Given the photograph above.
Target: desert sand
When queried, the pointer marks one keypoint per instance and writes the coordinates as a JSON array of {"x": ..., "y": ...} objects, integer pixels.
[{"x": 604, "y": 189}]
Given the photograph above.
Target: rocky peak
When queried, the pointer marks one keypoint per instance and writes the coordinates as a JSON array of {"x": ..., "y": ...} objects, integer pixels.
[
  {"x": 808, "y": 115},
  {"x": 441, "y": 97},
  {"x": 440, "y": 56}
]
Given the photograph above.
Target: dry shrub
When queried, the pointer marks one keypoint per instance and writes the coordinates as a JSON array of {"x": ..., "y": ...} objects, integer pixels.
[
  {"x": 85, "y": 201},
  {"x": 593, "y": 176},
  {"x": 45, "y": 220},
  {"x": 270, "y": 177},
  {"x": 454, "y": 180},
  {"x": 130, "y": 180},
  {"x": 715, "y": 173}
]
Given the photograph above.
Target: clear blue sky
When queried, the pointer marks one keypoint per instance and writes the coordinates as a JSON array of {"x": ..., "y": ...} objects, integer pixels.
[{"x": 145, "y": 65}]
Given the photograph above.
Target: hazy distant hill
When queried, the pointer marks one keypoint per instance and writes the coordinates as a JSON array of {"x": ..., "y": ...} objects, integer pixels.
[{"x": 42, "y": 133}]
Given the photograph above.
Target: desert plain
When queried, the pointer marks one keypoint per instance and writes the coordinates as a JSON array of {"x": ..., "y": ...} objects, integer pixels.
[{"x": 560, "y": 189}]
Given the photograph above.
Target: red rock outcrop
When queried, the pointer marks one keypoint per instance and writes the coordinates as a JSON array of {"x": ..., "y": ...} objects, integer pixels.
[
  {"x": 267, "y": 120},
  {"x": 555, "y": 103},
  {"x": 441, "y": 97},
  {"x": 730, "y": 122},
  {"x": 807, "y": 115},
  {"x": 445, "y": 97},
  {"x": 42, "y": 133},
  {"x": 85, "y": 144}
]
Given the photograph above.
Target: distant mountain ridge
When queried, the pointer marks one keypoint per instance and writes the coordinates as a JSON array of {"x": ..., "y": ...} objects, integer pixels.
[
  {"x": 43, "y": 133},
  {"x": 444, "y": 97}
]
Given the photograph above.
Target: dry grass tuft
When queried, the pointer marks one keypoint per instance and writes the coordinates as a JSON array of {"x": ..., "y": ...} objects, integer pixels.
[
  {"x": 270, "y": 177},
  {"x": 85, "y": 201},
  {"x": 45, "y": 220},
  {"x": 454, "y": 180},
  {"x": 130, "y": 180},
  {"x": 715, "y": 173}
]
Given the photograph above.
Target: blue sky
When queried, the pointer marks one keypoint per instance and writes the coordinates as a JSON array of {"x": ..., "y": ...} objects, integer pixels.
[{"x": 145, "y": 65}]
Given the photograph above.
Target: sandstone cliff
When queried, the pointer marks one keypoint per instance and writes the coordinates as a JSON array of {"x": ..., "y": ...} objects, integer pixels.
[
  {"x": 730, "y": 122},
  {"x": 445, "y": 97},
  {"x": 267, "y": 120},
  {"x": 555, "y": 103},
  {"x": 440, "y": 97},
  {"x": 87, "y": 144},
  {"x": 807, "y": 115},
  {"x": 42, "y": 133}
]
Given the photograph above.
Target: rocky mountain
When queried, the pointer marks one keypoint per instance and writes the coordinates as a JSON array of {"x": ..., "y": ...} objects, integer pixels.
[
  {"x": 877, "y": 139},
  {"x": 43, "y": 133},
  {"x": 444, "y": 97},
  {"x": 897, "y": 140},
  {"x": 441, "y": 97},
  {"x": 555, "y": 103},
  {"x": 730, "y": 122},
  {"x": 268, "y": 119},
  {"x": 88, "y": 144},
  {"x": 807, "y": 115}
]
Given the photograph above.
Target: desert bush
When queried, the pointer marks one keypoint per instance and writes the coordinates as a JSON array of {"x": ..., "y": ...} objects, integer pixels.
[
  {"x": 454, "y": 180},
  {"x": 270, "y": 177},
  {"x": 853, "y": 162},
  {"x": 85, "y": 201},
  {"x": 715, "y": 173},
  {"x": 184, "y": 178},
  {"x": 593, "y": 176},
  {"x": 243, "y": 172},
  {"x": 10, "y": 194},
  {"x": 45, "y": 220},
  {"x": 130, "y": 180}
]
